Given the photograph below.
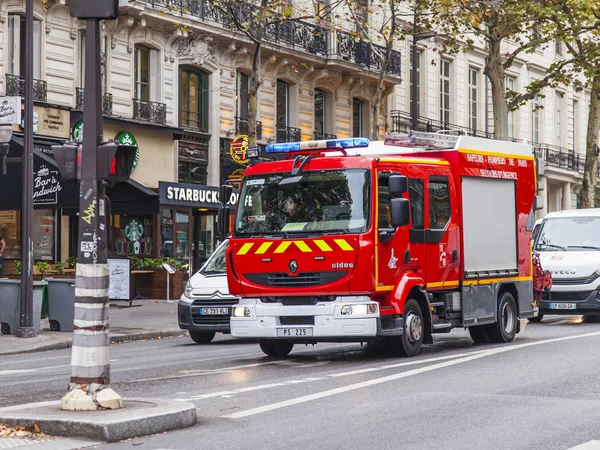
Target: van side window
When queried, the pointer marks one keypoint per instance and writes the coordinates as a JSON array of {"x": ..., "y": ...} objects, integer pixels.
[
  {"x": 384, "y": 220},
  {"x": 416, "y": 194},
  {"x": 439, "y": 203}
]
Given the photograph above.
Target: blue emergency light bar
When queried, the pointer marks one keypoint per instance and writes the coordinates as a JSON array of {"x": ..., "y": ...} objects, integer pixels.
[{"x": 329, "y": 144}]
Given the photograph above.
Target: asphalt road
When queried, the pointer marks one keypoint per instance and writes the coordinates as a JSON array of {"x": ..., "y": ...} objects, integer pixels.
[{"x": 540, "y": 392}]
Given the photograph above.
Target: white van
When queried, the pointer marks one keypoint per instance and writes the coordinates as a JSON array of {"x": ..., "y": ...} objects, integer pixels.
[
  {"x": 568, "y": 243},
  {"x": 205, "y": 306}
]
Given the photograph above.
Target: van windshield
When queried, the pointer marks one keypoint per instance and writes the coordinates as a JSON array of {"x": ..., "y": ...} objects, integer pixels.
[
  {"x": 569, "y": 234},
  {"x": 216, "y": 263}
]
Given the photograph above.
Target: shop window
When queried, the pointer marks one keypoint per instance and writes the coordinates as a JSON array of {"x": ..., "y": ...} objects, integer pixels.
[
  {"x": 439, "y": 203},
  {"x": 132, "y": 235},
  {"x": 166, "y": 233},
  {"x": 16, "y": 46},
  {"x": 182, "y": 233},
  {"x": 44, "y": 234},
  {"x": 10, "y": 230},
  {"x": 194, "y": 99}
]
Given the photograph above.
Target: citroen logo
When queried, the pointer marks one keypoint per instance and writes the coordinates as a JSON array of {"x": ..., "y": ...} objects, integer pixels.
[{"x": 293, "y": 266}]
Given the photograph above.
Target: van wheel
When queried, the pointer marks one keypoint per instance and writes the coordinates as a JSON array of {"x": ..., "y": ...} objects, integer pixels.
[
  {"x": 479, "y": 335},
  {"x": 537, "y": 319},
  {"x": 201, "y": 338},
  {"x": 505, "y": 329},
  {"x": 276, "y": 348}
]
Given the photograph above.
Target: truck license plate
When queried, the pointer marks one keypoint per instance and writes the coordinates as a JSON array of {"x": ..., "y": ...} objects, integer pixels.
[
  {"x": 214, "y": 311},
  {"x": 294, "y": 332},
  {"x": 563, "y": 306}
]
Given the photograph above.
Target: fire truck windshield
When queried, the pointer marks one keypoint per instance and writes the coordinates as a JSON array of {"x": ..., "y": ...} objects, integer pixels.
[{"x": 332, "y": 201}]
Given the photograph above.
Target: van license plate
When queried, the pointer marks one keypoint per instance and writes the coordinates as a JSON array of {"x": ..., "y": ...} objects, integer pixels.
[
  {"x": 294, "y": 332},
  {"x": 214, "y": 311},
  {"x": 563, "y": 306}
]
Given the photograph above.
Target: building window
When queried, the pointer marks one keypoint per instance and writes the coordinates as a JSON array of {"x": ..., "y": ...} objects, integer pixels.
[
  {"x": 558, "y": 118},
  {"x": 362, "y": 16},
  {"x": 558, "y": 47},
  {"x": 17, "y": 49},
  {"x": 243, "y": 95},
  {"x": 82, "y": 58},
  {"x": 319, "y": 111},
  {"x": 357, "y": 118},
  {"x": 473, "y": 94},
  {"x": 419, "y": 53},
  {"x": 510, "y": 86},
  {"x": 193, "y": 172},
  {"x": 147, "y": 70},
  {"x": 445, "y": 91},
  {"x": 572, "y": 124},
  {"x": 132, "y": 235},
  {"x": 439, "y": 203},
  {"x": 194, "y": 99},
  {"x": 535, "y": 119},
  {"x": 283, "y": 91}
]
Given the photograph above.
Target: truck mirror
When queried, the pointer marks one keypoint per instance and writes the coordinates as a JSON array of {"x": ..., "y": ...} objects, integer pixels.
[
  {"x": 538, "y": 202},
  {"x": 400, "y": 210},
  {"x": 398, "y": 184},
  {"x": 223, "y": 219},
  {"x": 225, "y": 193}
]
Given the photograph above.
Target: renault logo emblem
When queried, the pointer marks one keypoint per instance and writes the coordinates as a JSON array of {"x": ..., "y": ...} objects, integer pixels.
[{"x": 293, "y": 266}]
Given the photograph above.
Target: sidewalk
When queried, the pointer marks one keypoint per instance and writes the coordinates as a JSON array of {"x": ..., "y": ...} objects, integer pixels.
[{"x": 150, "y": 320}]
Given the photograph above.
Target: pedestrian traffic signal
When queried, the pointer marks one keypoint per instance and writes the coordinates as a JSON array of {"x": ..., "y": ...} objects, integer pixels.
[
  {"x": 68, "y": 161},
  {"x": 115, "y": 162},
  {"x": 96, "y": 9}
]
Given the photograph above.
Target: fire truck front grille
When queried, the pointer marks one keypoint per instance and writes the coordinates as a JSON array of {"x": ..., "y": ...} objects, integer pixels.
[
  {"x": 297, "y": 320},
  {"x": 303, "y": 279},
  {"x": 299, "y": 301}
]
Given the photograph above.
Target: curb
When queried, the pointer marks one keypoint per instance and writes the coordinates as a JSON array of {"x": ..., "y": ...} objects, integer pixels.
[{"x": 113, "y": 340}]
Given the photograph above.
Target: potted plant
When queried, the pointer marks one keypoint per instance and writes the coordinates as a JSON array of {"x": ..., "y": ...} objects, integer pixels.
[
  {"x": 60, "y": 267},
  {"x": 42, "y": 266}
]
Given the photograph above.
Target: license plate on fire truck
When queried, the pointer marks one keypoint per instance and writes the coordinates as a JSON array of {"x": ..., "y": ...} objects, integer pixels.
[
  {"x": 562, "y": 306},
  {"x": 294, "y": 332}
]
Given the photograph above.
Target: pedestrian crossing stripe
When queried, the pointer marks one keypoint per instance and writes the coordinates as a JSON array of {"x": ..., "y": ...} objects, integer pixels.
[{"x": 301, "y": 245}]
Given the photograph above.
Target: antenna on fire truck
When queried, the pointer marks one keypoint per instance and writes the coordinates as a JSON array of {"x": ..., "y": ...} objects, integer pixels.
[{"x": 438, "y": 139}]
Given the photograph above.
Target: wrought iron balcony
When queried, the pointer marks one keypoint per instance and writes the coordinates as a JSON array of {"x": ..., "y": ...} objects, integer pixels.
[
  {"x": 288, "y": 134},
  {"x": 359, "y": 51},
  {"x": 322, "y": 136},
  {"x": 150, "y": 111},
  {"x": 15, "y": 86},
  {"x": 107, "y": 102},
  {"x": 241, "y": 128},
  {"x": 402, "y": 122}
]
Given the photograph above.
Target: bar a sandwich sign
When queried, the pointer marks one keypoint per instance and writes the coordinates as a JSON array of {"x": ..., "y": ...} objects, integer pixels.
[{"x": 10, "y": 110}]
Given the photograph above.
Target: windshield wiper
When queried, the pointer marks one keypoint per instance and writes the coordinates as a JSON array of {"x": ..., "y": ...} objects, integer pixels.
[
  {"x": 334, "y": 231},
  {"x": 591, "y": 247},
  {"x": 554, "y": 246},
  {"x": 212, "y": 272}
]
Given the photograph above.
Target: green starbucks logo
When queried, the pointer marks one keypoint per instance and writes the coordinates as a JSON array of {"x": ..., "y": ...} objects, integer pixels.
[
  {"x": 134, "y": 230},
  {"x": 78, "y": 131},
  {"x": 126, "y": 138}
]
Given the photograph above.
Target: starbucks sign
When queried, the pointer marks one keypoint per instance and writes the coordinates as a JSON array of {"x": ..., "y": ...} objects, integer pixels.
[
  {"x": 126, "y": 138},
  {"x": 78, "y": 132},
  {"x": 134, "y": 230}
]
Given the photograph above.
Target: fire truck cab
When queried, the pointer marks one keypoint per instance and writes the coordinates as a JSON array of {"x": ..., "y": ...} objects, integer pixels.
[{"x": 384, "y": 242}]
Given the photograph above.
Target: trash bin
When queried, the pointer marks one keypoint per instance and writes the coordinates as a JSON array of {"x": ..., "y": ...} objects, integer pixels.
[
  {"x": 10, "y": 305},
  {"x": 61, "y": 303}
]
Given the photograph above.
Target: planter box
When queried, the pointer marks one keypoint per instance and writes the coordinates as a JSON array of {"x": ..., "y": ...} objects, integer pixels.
[{"x": 154, "y": 285}]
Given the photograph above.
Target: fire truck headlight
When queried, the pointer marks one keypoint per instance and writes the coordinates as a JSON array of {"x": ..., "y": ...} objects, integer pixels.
[
  {"x": 241, "y": 311},
  {"x": 358, "y": 310}
]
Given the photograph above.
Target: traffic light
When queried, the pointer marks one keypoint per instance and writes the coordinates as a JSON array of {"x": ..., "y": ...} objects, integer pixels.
[
  {"x": 95, "y": 9},
  {"x": 115, "y": 161},
  {"x": 68, "y": 161}
]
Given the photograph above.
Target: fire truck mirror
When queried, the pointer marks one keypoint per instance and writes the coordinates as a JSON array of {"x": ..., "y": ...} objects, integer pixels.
[
  {"x": 225, "y": 193},
  {"x": 538, "y": 202},
  {"x": 223, "y": 219},
  {"x": 400, "y": 209},
  {"x": 398, "y": 184}
]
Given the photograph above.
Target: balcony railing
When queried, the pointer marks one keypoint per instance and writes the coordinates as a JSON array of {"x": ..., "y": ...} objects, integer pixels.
[
  {"x": 150, "y": 111},
  {"x": 299, "y": 35},
  {"x": 322, "y": 136},
  {"x": 241, "y": 128},
  {"x": 107, "y": 101},
  {"x": 288, "y": 134},
  {"x": 15, "y": 86},
  {"x": 402, "y": 122}
]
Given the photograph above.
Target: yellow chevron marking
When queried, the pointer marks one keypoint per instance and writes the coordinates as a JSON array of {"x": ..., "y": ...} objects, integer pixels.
[
  {"x": 283, "y": 247},
  {"x": 263, "y": 248},
  {"x": 302, "y": 246},
  {"x": 245, "y": 248},
  {"x": 323, "y": 245},
  {"x": 344, "y": 245}
]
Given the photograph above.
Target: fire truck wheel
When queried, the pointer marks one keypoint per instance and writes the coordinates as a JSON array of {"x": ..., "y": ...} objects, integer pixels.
[
  {"x": 478, "y": 334},
  {"x": 201, "y": 338},
  {"x": 276, "y": 348},
  {"x": 537, "y": 319},
  {"x": 505, "y": 328},
  {"x": 409, "y": 344}
]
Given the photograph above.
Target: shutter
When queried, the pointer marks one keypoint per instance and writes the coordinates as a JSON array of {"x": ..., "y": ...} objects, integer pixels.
[
  {"x": 154, "y": 81},
  {"x": 204, "y": 99},
  {"x": 37, "y": 49}
]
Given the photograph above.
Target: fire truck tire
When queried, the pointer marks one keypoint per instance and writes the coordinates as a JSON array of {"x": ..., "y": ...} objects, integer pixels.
[
  {"x": 201, "y": 338},
  {"x": 411, "y": 340},
  {"x": 479, "y": 335},
  {"x": 505, "y": 329},
  {"x": 276, "y": 348},
  {"x": 537, "y": 319}
]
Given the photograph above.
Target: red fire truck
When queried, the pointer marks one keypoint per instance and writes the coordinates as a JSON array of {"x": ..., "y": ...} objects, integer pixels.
[{"x": 384, "y": 242}]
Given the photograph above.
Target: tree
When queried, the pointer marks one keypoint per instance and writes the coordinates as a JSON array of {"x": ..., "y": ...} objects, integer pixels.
[
  {"x": 520, "y": 26},
  {"x": 256, "y": 20}
]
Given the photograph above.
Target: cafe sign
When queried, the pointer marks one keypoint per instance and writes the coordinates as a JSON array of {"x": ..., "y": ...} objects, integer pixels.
[
  {"x": 46, "y": 186},
  {"x": 10, "y": 110},
  {"x": 126, "y": 138},
  {"x": 192, "y": 195}
]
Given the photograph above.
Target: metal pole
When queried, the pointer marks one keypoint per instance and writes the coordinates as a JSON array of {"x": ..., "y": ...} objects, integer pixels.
[
  {"x": 414, "y": 111},
  {"x": 90, "y": 363},
  {"x": 26, "y": 329}
]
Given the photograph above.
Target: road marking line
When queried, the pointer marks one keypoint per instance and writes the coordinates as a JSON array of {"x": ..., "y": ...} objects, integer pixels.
[
  {"x": 590, "y": 445},
  {"x": 397, "y": 376}
]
